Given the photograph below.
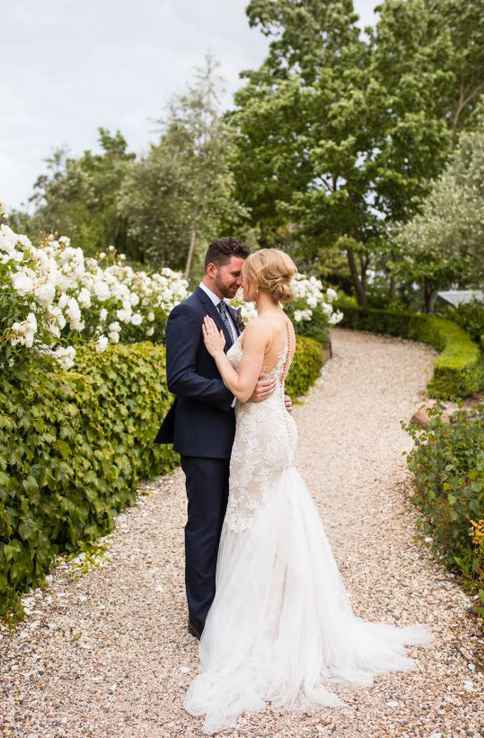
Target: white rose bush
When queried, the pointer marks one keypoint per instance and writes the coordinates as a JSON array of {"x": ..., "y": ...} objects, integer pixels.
[
  {"x": 53, "y": 298},
  {"x": 312, "y": 309},
  {"x": 310, "y": 298}
]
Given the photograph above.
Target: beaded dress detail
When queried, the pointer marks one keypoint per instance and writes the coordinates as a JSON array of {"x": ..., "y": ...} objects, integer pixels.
[{"x": 264, "y": 446}]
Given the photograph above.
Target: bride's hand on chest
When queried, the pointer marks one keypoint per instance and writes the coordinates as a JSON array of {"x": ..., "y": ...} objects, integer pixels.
[{"x": 213, "y": 337}]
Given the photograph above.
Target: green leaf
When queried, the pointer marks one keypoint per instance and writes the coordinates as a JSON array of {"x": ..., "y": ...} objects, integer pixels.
[
  {"x": 30, "y": 484},
  {"x": 63, "y": 448}
]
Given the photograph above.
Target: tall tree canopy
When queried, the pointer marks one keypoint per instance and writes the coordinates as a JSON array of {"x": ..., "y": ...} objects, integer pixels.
[
  {"x": 339, "y": 132},
  {"x": 444, "y": 243},
  {"x": 182, "y": 193},
  {"x": 78, "y": 197}
]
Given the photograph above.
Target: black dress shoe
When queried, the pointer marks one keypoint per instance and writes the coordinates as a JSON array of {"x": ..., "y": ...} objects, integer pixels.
[{"x": 194, "y": 629}]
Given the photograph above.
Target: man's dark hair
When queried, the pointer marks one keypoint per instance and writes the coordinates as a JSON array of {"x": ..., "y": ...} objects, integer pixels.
[{"x": 220, "y": 251}]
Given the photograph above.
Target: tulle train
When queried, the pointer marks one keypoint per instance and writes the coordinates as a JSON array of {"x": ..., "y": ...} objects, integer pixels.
[{"x": 281, "y": 627}]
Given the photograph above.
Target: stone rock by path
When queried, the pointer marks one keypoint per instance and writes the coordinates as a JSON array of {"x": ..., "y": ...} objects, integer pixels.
[
  {"x": 422, "y": 416},
  {"x": 108, "y": 655}
]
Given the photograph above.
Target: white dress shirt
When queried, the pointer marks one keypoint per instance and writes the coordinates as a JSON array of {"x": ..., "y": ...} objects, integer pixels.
[{"x": 216, "y": 299}]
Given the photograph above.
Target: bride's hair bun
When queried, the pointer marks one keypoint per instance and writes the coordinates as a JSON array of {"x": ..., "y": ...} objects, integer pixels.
[{"x": 271, "y": 270}]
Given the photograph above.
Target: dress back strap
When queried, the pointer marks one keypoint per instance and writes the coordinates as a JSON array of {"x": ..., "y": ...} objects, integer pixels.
[{"x": 285, "y": 367}]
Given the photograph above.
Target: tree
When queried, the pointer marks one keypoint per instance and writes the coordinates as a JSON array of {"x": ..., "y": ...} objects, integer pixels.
[
  {"x": 78, "y": 197},
  {"x": 443, "y": 246},
  {"x": 339, "y": 133},
  {"x": 181, "y": 193},
  {"x": 463, "y": 24}
]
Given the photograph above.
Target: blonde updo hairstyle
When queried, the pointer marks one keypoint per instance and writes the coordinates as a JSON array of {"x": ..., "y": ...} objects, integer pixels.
[{"x": 271, "y": 271}]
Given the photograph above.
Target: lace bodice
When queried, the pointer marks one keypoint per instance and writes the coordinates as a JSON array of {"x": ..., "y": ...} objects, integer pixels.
[{"x": 264, "y": 445}]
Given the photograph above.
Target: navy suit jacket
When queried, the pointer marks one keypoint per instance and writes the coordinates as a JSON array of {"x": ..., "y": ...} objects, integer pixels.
[{"x": 201, "y": 421}]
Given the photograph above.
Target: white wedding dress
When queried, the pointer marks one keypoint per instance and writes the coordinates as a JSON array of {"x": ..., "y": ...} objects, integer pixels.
[{"x": 281, "y": 626}]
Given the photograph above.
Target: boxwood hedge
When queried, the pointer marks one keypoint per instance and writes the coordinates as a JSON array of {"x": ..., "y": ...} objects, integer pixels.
[{"x": 458, "y": 371}]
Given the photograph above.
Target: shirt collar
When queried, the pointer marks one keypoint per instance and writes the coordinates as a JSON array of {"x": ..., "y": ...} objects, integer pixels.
[{"x": 214, "y": 298}]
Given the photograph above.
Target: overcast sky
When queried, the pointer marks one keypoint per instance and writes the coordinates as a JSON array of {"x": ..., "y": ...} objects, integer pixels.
[{"x": 68, "y": 67}]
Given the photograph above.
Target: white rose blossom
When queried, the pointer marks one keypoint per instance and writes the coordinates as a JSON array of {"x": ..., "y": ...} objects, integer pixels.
[
  {"x": 101, "y": 344},
  {"x": 45, "y": 293},
  {"x": 22, "y": 283},
  {"x": 84, "y": 297}
]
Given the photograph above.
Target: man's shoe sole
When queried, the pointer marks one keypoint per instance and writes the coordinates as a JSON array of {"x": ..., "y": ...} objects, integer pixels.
[{"x": 194, "y": 631}]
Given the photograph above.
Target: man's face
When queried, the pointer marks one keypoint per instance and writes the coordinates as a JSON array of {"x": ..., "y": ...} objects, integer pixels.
[{"x": 227, "y": 278}]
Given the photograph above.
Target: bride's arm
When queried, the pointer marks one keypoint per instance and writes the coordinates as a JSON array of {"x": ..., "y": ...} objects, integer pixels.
[{"x": 256, "y": 338}]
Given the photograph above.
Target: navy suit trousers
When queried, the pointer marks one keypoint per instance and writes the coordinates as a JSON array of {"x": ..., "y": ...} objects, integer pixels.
[{"x": 207, "y": 485}]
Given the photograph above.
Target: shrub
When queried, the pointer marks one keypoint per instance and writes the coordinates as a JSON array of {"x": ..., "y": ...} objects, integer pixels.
[
  {"x": 73, "y": 445},
  {"x": 312, "y": 309},
  {"x": 458, "y": 371},
  {"x": 316, "y": 328},
  {"x": 448, "y": 465},
  {"x": 305, "y": 367},
  {"x": 53, "y": 298},
  {"x": 470, "y": 317}
]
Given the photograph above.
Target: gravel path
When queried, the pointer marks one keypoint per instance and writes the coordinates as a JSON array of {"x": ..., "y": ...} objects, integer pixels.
[{"x": 107, "y": 655}]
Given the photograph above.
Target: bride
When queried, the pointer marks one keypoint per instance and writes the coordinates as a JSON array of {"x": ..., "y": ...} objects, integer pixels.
[{"x": 281, "y": 627}]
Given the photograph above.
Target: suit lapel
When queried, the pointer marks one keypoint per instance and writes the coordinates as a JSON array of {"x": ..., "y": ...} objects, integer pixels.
[{"x": 214, "y": 313}]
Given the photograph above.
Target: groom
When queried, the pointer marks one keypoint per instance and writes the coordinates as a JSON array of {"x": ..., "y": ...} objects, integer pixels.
[{"x": 201, "y": 421}]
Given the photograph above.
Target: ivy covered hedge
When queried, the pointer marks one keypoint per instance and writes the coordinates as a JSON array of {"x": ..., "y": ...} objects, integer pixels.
[
  {"x": 458, "y": 371},
  {"x": 74, "y": 444}
]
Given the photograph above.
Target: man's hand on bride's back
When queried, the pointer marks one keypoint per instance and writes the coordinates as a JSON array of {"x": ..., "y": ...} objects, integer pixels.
[{"x": 264, "y": 388}]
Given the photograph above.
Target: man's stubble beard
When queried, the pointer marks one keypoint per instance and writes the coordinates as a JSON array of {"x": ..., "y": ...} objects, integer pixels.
[{"x": 228, "y": 292}]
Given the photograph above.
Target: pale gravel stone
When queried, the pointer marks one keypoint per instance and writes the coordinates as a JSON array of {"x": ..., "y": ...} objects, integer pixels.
[{"x": 108, "y": 655}]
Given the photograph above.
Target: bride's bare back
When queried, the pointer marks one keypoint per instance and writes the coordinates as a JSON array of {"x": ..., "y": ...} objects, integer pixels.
[{"x": 280, "y": 335}]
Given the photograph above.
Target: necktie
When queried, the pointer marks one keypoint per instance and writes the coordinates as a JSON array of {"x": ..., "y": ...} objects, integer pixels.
[{"x": 222, "y": 308}]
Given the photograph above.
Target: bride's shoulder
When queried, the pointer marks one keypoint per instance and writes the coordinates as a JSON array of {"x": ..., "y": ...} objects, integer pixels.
[
  {"x": 258, "y": 330},
  {"x": 255, "y": 321}
]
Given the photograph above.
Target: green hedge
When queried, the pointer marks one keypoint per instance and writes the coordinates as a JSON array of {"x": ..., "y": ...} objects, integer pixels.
[
  {"x": 458, "y": 371},
  {"x": 470, "y": 317},
  {"x": 73, "y": 446},
  {"x": 305, "y": 367}
]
